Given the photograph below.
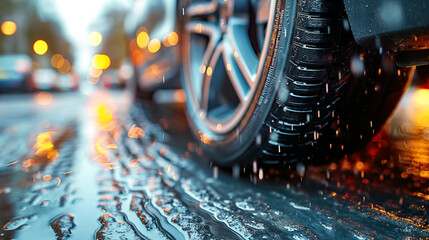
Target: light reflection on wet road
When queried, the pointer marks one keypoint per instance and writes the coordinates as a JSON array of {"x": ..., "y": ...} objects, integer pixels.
[{"x": 76, "y": 167}]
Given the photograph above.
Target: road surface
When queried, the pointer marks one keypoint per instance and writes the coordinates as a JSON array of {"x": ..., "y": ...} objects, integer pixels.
[{"x": 81, "y": 167}]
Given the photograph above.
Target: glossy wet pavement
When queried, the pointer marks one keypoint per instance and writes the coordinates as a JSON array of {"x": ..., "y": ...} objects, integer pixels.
[{"x": 79, "y": 167}]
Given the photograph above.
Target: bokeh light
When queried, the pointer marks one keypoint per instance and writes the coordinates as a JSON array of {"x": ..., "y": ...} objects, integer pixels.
[
  {"x": 172, "y": 38},
  {"x": 137, "y": 57},
  {"x": 101, "y": 61},
  {"x": 179, "y": 96},
  {"x": 421, "y": 107},
  {"x": 65, "y": 67},
  {"x": 142, "y": 39},
  {"x": 126, "y": 71},
  {"x": 94, "y": 72},
  {"x": 92, "y": 80},
  {"x": 40, "y": 47},
  {"x": 154, "y": 45},
  {"x": 104, "y": 115},
  {"x": 57, "y": 60},
  {"x": 8, "y": 28},
  {"x": 95, "y": 38},
  {"x": 136, "y": 132},
  {"x": 133, "y": 45},
  {"x": 45, "y": 146},
  {"x": 421, "y": 97},
  {"x": 422, "y": 117},
  {"x": 23, "y": 66},
  {"x": 44, "y": 98},
  {"x": 209, "y": 71}
]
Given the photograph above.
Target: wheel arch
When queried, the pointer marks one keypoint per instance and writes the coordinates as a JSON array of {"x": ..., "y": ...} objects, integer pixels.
[{"x": 389, "y": 24}]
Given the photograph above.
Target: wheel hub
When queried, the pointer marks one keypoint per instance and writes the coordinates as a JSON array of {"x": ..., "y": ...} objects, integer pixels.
[{"x": 222, "y": 68}]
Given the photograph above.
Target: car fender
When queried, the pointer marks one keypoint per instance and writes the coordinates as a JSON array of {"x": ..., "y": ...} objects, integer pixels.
[{"x": 389, "y": 24}]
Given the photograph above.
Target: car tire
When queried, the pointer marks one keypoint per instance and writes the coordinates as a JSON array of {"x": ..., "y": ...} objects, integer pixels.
[{"x": 319, "y": 93}]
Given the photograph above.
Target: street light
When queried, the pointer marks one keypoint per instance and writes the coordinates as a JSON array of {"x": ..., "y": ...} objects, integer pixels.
[
  {"x": 100, "y": 61},
  {"x": 142, "y": 39},
  {"x": 95, "y": 38},
  {"x": 8, "y": 28},
  {"x": 154, "y": 45},
  {"x": 40, "y": 47}
]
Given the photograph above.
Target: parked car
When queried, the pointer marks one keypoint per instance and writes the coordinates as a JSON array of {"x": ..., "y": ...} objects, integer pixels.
[
  {"x": 125, "y": 73},
  {"x": 275, "y": 81},
  {"x": 15, "y": 72},
  {"x": 109, "y": 78},
  {"x": 151, "y": 27},
  {"x": 67, "y": 82},
  {"x": 45, "y": 79}
]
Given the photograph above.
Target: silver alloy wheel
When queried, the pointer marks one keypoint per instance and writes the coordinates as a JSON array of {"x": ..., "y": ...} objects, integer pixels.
[{"x": 223, "y": 64}]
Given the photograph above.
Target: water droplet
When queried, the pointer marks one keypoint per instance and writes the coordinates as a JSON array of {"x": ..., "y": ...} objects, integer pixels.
[
  {"x": 258, "y": 140},
  {"x": 261, "y": 174},
  {"x": 215, "y": 172},
  {"x": 300, "y": 169},
  {"x": 346, "y": 25},
  {"x": 63, "y": 225},
  {"x": 244, "y": 205},
  {"x": 357, "y": 67},
  {"x": 236, "y": 171},
  {"x": 16, "y": 223},
  {"x": 255, "y": 166}
]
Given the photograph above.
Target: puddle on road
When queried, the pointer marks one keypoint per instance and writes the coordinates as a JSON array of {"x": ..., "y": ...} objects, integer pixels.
[{"x": 119, "y": 172}]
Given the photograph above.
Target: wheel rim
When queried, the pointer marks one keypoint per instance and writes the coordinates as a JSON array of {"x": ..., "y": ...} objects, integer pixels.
[{"x": 223, "y": 59}]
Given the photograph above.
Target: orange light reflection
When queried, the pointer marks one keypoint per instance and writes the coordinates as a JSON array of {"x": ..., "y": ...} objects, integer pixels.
[
  {"x": 45, "y": 146},
  {"x": 44, "y": 98},
  {"x": 135, "y": 132}
]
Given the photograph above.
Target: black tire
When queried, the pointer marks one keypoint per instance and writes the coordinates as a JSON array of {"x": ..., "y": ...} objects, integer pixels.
[
  {"x": 320, "y": 105},
  {"x": 334, "y": 110}
]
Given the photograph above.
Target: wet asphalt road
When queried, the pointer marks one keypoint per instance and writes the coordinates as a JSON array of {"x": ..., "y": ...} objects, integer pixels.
[{"x": 84, "y": 167}]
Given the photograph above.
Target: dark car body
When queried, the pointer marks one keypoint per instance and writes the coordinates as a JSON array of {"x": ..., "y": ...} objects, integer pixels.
[
  {"x": 400, "y": 26},
  {"x": 15, "y": 72}
]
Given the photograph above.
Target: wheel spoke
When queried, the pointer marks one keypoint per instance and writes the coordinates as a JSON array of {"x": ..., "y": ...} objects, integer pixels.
[
  {"x": 209, "y": 90},
  {"x": 222, "y": 58},
  {"x": 235, "y": 75},
  {"x": 211, "y": 31},
  {"x": 202, "y": 8},
  {"x": 242, "y": 49}
]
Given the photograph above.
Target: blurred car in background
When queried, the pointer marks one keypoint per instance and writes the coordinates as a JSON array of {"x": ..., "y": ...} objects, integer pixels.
[
  {"x": 151, "y": 27},
  {"x": 48, "y": 79},
  {"x": 110, "y": 78},
  {"x": 115, "y": 78},
  {"x": 67, "y": 82},
  {"x": 125, "y": 73},
  {"x": 15, "y": 72},
  {"x": 45, "y": 79}
]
